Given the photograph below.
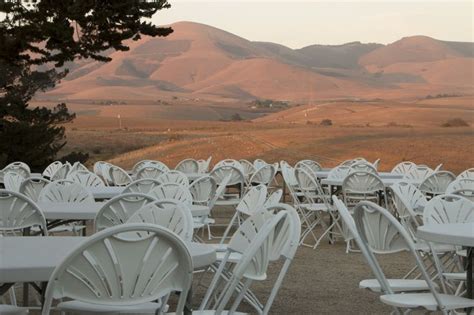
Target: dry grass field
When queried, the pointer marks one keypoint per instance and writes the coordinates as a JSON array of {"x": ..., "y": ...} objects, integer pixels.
[{"x": 389, "y": 130}]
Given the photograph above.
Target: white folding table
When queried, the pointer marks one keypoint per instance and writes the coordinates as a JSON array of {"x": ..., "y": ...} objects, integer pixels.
[
  {"x": 460, "y": 234},
  {"x": 106, "y": 192}
]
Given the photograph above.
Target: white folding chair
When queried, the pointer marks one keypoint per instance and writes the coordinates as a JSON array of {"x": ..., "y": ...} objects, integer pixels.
[
  {"x": 237, "y": 180},
  {"x": 145, "y": 163},
  {"x": 174, "y": 177},
  {"x": 361, "y": 185},
  {"x": 469, "y": 173},
  {"x": 144, "y": 186},
  {"x": 437, "y": 183},
  {"x": 188, "y": 166},
  {"x": 248, "y": 168},
  {"x": 419, "y": 172},
  {"x": 123, "y": 269},
  {"x": 12, "y": 181},
  {"x": 32, "y": 187},
  {"x": 51, "y": 169},
  {"x": 263, "y": 175},
  {"x": 118, "y": 176},
  {"x": 204, "y": 165},
  {"x": 150, "y": 172},
  {"x": 65, "y": 192},
  {"x": 85, "y": 178},
  {"x": 169, "y": 214},
  {"x": 403, "y": 168},
  {"x": 61, "y": 172},
  {"x": 460, "y": 184},
  {"x": 119, "y": 209},
  {"x": 390, "y": 235}
]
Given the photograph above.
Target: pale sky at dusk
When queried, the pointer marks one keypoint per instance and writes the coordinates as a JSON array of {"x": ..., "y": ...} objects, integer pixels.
[{"x": 304, "y": 22}]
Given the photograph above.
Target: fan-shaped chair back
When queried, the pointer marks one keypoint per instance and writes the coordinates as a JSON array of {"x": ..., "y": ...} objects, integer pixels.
[
  {"x": 170, "y": 214},
  {"x": 174, "y": 192},
  {"x": 248, "y": 168},
  {"x": 86, "y": 178},
  {"x": 274, "y": 198},
  {"x": 264, "y": 175},
  {"x": 119, "y": 176},
  {"x": 204, "y": 165},
  {"x": 12, "y": 181},
  {"x": 62, "y": 172},
  {"x": 149, "y": 172},
  {"x": 403, "y": 168},
  {"x": 311, "y": 165},
  {"x": 253, "y": 200},
  {"x": 419, "y": 172},
  {"x": 230, "y": 162},
  {"x": 174, "y": 177},
  {"x": 143, "y": 186},
  {"x": 18, "y": 167},
  {"x": 363, "y": 167},
  {"x": 203, "y": 189},
  {"x": 188, "y": 166},
  {"x": 221, "y": 172},
  {"x": 146, "y": 163},
  {"x": 448, "y": 209},
  {"x": 78, "y": 166},
  {"x": 17, "y": 212},
  {"x": 359, "y": 186},
  {"x": 460, "y": 184},
  {"x": 469, "y": 173},
  {"x": 339, "y": 172},
  {"x": 65, "y": 192},
  {"x": 437, "y": 183},
  {"x": 51, "y": 169},
  {"x": 124, "y": 265},
  {"x": 119, "y": 209},
  {"x": 32, "y": 187}
]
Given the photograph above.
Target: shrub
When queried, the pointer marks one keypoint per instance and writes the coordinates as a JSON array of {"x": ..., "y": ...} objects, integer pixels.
[
  {"x": 75, "y": 156},
  {"x": 456, "y": 122},
  {"x": 236, "y": 117},
  {"x": 326, "y": 122}
]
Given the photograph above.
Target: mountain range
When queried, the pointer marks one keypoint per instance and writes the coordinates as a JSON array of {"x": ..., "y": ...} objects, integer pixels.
[{"x": 198, "y": 61}]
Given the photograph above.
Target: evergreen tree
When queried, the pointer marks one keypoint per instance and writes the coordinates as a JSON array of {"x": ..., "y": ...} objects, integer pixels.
[{"x": 37, "y": 39}]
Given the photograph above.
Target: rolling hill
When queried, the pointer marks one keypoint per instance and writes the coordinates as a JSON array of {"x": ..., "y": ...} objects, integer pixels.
[{"x": 198, "y": 61}]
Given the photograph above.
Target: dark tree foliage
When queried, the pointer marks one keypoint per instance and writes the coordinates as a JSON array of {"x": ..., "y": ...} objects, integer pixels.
[{"x": 37, "y": 38}]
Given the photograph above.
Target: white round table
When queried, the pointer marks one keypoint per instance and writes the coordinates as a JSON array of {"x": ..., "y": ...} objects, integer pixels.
[{"x": 460, "y": 234}]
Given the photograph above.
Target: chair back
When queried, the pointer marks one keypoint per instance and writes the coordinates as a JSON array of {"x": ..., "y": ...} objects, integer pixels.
[
  {"x": 150, "y": 172},
  {"x": 274, "y": 198},
  {"x": 86, "y": 178},
  {"x": 460, "y": 184},
  {"x": 203, "y": 189},
  {"x": 62, "y": 172},
  {"x": 51, "y": 169},
  {"x": 448, "y": 209},
  {"x": 313, "y": 166},
  {"x": 128, "y": 264},
  {"x": 143, "y": 186},
  {"x": 12, "y": 181},
  {"x": 419, "y": 172},
  {"x": 469, "y": 173},
  {"x": 339, "y": 172},
  {"x": 253, "y": 200},
  {"x": 119, "y": 209},
  {"x": 170, "y": 214},
  {"x": 263, "y": 175},
  {"x": 173, "y": 191},
  {"x": 437, "y": 183},
  {"x": 18, "y": 212},
  {"x": 188, "y": 166},
  {"x": 248, "y": 168},
  {"x": 65, "y": 192},
  {"x": 32, "y": 187},
  {"x": 204, "y": 165},
  {"x": 363, "y": 167},
  {"x": 146, "y": 163},
  {"x": 119, "y": 176},
  {"x": 174, "y": 177},
  {"x": 361, "y": 185},
  {"x": 403, "y": 168}
]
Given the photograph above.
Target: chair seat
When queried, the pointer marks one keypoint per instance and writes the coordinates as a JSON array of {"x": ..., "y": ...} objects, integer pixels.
[
  {"x": 426, "y": 300},
  {"x": 397, "y": 285},
  {"x": 12, "y": 310},
  {"x": 228, "y": 202},
  {"x": 218, "y": 247},
  {"x": 314, "y": 206},
  {"x": 459, "y": 276},
  {"x": 233, "y": 258},
  {"x": 439, "y": 248},
  {"x": 89, "y": 308}
]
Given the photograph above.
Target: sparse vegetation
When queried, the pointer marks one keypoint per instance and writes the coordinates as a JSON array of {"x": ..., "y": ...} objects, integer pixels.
[
  {"x": 269, "y": 104},
  {"x": 428, "y": 97},
  {"x": 456, "y": 122},
  {"x": 236, "y": 117},
  {"x": 326, "y": 122}
]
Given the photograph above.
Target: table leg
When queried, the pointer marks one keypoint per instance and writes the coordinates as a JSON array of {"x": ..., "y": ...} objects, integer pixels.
[
  {"x": 469, "y": 276},
  {"x": 188, "y": 308}
]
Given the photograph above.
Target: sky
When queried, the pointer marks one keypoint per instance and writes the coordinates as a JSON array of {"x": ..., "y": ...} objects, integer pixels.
[{"x": 301, "y": 23}]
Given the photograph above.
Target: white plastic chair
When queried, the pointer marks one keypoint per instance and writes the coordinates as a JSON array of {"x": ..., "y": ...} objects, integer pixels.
[
  {"x": 188, "y": 166},
  {"x": 274, "y": 198},
  {"x": 32, "y": 187},
  {"x": 123, "y": 269},
  {"x": 229, "y": 162},
  {"x": 12, "y": 181},
  {"x": 437, "y": 183},
  {"x": 469, "y": 173},
  {"x": 254, "y": 241},
  {"x": 150, "y": 172},
  {"x": 403, "y": 168},
  {"x": 263, "y": 175},
  {"x": 18, "y": 213},
  {"x": 419, "y": 172},
  {"x": 18, "y": 167},
  {"x": 379, "y": 284},
  {"x": 144, "y": 186},
  {"x": 119, "y": 209},
  {"x": 174, "y": 177},
  {"x": 169, "y": 214},
  {"x": 363, "y": 167},
  {"x": 448, "y": 209},
  {"x": 119, "y": 176},
  {"x": 145, "y": 163},
  {"x": 237, "y": 179},
  {"x": 173, "y": 191},
  {"x": 85, "y": 178},
  {"x": 460, "y": 184},
  {"x": 390, "y": 234},
  {"x": 51, "y": 169},
  {"x": 360, "y": 185},
  {"x": 65, "y": 192},
  {"x": 62, "y": 172},
  {"x": 248, "y": 168},
  {"x": 78, "y": 166},
  {"x": 12, "y": 310},
  {"x": 204, "y": 165},
  {"x": 313, "y": 166},
  {"x": 203, "y": 191},
  {"x": 251, "y": 203},
  {"x": 339, "y": 172}
]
